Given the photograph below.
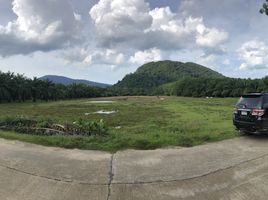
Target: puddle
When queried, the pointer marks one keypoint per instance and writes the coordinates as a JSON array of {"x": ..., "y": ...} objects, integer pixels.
[
  {"x": 101, "y": 101},
  {"x": 102, "y": 112}
]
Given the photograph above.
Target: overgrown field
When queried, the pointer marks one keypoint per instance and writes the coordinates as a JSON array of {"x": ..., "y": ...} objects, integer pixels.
[{"x": 136, "y": 122}]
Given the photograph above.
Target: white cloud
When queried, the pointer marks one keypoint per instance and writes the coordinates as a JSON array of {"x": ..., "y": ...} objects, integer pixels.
[
  {"x": 131, "y": 24},
  {"x": 226, "y": 61},
  {"x": 39, "y": 26},
  {"x": 150, "y": 55},
  {"x": 120, "y": 20},
  {"x": 72, "y": 55},
  {"x": 119, "y": 32},
  {"x": 77, "y": 16},
  {"x": 89, "y": 57},
  {"x": 161, "y": 17},
  {"x": 208, "y": 61},
  {"x": 109, "y": 57},
  {"x": 210, "y": 37},
  {"x": 254, "y": 55}
]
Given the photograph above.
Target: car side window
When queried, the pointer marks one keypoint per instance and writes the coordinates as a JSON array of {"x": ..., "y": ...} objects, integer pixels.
[{"x": 265, "y": 100}]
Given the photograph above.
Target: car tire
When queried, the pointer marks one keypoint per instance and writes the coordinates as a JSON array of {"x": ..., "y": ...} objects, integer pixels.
[{"x": 244, "y": 132}]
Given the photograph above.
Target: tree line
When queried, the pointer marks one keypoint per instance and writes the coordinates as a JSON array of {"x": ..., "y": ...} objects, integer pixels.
[
  {"x": 214, "y": 87},
  {"x": 18, "y": 88}
]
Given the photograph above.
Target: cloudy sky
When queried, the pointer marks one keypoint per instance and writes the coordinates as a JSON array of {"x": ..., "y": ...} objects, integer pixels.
[{"x": 103, "y": 40}]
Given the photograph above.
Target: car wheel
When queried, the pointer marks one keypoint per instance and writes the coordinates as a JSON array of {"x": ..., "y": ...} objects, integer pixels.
[{"x": 244, "y": 132}]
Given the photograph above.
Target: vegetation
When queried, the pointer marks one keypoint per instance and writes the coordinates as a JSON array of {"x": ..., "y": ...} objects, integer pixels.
[
  {"x": 139, "y": 123},
  {"x": 17, "y": 88},
  {"x": 264, "y": 8},
  {"x": 214, "y": 87},
  {"x": 68, "y": 81},
  {"x": 147, "y": 79},
  {"x": 155, "y": 78},
  {"x": 184, "y": 79},
  {"x": 29, "y": 125}
]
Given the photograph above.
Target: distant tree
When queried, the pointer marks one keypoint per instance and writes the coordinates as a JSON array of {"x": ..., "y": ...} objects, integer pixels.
[
  {"x": 264, "y": 8},
  {"x": 5, "y": 94},
  {"x": 35, "y": 88},
  {"x": 18, "y": 88}
]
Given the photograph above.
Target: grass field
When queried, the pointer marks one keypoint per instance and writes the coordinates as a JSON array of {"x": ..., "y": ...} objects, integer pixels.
[{"x": 139, "y": 122}]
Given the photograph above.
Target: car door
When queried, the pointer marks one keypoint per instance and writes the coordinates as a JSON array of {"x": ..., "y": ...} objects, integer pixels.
[{"x": 265, "y": 107}]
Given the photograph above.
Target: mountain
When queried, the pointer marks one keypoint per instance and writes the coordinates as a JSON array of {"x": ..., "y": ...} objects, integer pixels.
[
  {"x": 150, "y": 76},
  {"x": 68, "y": 81}
]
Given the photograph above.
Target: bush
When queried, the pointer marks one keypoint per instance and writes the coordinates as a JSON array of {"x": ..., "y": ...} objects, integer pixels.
[
  {"x": 18, "y": 121},
  {"x": 29, "y": 125},
  {"x": 91, "y": 127}
]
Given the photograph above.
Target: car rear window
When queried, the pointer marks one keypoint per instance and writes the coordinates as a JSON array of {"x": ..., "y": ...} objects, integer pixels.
[{"x": 250, "y": 101}]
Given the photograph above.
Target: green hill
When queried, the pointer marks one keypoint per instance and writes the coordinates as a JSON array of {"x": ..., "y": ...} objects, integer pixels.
[
  {"x": 69, "y": 81},
  {"x": 148, "y": 77}
]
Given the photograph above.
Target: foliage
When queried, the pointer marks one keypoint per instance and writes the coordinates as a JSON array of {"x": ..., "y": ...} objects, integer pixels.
[
  {"x": 18, "y": 121},
  {"x": 264, "y": 8},
  {"x": 154, "y": 78},
  {"x": 218, "y": 87},
  {"x": 23, "y": 124},
  {"x": 147, "y": 79},
  {"x": 28, "y": 125},
  {"x": 91, "y": 127},
  {"x": 17, "y": 88},
  {"x": 185, "y": 79}
]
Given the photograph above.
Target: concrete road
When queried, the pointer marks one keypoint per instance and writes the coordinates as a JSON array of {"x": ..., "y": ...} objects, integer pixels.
[{"x": 231, "y": 169}]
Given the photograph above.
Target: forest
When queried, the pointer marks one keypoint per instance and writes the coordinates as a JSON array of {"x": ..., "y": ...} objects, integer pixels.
[
  {"x": 213, "y": 87},
  {"x": 18, "y": 88}
]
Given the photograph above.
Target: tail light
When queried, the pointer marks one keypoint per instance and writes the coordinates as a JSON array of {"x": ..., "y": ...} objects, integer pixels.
[
  {"x": 235, "y": 111},
  {"x": 257, "y": 112}
]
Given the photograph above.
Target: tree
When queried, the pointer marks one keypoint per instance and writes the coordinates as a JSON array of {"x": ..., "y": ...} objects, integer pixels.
[
  {"x": 264, "y": 8},
  {"x": 18, "y": 88},
  {"x": 35, "y": 88},
  {"x": 4, "y": 89}
]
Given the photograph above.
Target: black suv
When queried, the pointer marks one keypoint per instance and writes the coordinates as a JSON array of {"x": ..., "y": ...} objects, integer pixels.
[{"x": 251, "y": 113}]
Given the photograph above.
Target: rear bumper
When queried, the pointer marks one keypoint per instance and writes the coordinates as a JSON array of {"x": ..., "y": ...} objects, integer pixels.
[{"x": 255, "y": 127}]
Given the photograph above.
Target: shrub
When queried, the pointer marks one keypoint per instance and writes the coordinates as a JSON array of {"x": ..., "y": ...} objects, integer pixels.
[
  {"x": 29, "y": 125},
  {"x": 91, "y": 127},
  {"x": 18, "y": 121}
]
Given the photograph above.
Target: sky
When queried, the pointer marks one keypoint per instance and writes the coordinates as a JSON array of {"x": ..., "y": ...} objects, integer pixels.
[{"x": 103, "y": 40}]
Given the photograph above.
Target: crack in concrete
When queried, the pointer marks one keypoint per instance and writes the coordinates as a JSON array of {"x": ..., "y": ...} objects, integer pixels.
[
  {"x": 53, "y": 179},
  {"x": 111, "y": 177},
  {"x": 193, "y": 177}
]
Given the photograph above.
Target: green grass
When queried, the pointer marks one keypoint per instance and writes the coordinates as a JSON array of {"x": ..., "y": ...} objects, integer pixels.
[{"x": 146, "y": 122}]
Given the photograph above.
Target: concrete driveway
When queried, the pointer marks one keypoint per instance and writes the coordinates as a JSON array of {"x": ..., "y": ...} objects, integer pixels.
[{"x": 231, "y": 169}]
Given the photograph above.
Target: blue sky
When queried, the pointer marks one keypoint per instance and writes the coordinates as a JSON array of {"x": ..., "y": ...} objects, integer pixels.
[{"x": 103, "y": 40}]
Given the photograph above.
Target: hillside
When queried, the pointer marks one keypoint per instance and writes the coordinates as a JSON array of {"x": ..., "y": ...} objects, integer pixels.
[
  {"x": 150, "y": 76},
  {"x": 68, "y": 81}
]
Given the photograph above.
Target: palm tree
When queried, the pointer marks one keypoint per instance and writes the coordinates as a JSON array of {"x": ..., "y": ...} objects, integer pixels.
[
  {"x": 20, "y": 87},
  {"x": 5, "y": 90},
  {"x": 35, "y": 85}
]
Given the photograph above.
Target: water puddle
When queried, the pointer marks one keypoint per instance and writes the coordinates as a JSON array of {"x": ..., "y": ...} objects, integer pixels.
[
  {"x": 101, "y": 102},
  {"x": 103, "y": 112}
]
